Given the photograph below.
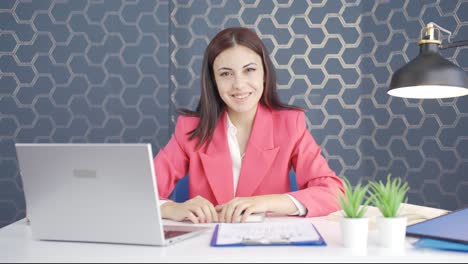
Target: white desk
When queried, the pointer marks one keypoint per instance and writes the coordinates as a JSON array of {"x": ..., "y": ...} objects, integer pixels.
[{"x": 16, "y": 245}]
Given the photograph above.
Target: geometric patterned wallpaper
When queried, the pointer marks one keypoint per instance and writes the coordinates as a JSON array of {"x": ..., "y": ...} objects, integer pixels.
[
  {"x": 116, "y": 71},
  {"x": 80, "y": 71}
]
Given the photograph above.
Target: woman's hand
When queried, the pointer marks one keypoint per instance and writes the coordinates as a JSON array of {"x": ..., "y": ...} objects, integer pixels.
[
  {"x": 239, "y": 209},
  {"x": 197, "y": 210}
]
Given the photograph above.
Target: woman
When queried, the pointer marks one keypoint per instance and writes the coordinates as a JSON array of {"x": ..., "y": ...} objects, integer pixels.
[{"x": 241, "y": 142}]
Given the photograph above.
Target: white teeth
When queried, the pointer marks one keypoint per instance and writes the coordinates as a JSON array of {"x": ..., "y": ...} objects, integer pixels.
[{"x": 242, "y": 96}]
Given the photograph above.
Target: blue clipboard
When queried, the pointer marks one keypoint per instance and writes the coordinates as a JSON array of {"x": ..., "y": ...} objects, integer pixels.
[
  {"x": 319, "y": 242},
  {"x": 449, "y": 227},
  {"x": 441, "y": 245}
]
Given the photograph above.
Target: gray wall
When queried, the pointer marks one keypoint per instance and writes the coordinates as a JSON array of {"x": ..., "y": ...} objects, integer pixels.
[{"x": 115, "y": 71}]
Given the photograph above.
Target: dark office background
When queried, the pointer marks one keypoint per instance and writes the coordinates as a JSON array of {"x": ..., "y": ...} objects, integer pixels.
[{"x": 116, "y": 71}]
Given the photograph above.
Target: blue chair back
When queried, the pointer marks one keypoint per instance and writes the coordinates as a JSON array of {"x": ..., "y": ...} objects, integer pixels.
[{"x": 181, "y": 191}]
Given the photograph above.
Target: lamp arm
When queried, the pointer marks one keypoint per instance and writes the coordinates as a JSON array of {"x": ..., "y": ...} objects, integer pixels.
[{"x": 454, "y": 44}]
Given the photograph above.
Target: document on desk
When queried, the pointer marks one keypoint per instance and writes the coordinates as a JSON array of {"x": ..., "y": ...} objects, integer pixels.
[{"x": 267, "y": 234}]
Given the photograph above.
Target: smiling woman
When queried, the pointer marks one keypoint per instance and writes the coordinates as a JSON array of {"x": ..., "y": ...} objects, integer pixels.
[
  {"x": 248, "y": 48},
  {"x": 239, "y": 79},
  {"x": 241, "y": 142}
]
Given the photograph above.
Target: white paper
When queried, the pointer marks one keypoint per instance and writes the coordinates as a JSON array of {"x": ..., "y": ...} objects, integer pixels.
[{"x": 266, "y": 233}]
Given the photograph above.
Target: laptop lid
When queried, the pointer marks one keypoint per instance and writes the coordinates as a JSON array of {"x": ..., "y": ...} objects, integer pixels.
[{"x": 91, "y": 192}]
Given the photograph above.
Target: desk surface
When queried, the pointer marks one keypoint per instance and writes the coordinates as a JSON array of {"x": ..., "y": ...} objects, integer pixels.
[{"x": 16, "y": 245}]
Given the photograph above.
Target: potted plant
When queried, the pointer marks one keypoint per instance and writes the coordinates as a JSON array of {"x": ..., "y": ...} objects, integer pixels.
[
  {"x": 388, "y": 198},
  {"x": 354, "y": 226}
]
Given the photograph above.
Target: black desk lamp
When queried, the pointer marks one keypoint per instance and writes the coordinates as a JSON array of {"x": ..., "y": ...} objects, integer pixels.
[{"x": 429, "y": 75}]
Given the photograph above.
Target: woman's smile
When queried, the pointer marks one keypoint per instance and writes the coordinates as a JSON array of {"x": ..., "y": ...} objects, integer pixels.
[{"x": 241, "y": 97}]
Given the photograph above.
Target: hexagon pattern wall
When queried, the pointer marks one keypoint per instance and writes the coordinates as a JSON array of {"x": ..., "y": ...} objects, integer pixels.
[
  {"x": 80, "y": 71},
  {"x": 116, "y": 70}
]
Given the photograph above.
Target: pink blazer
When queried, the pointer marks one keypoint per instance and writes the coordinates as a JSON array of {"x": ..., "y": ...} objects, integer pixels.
[{"x": 279, "y": 140}]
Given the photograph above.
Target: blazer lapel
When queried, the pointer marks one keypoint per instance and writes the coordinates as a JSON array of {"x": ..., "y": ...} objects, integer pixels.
[
  {"x": 260, "y": 153},
  {"x": 217, "y": 164}
]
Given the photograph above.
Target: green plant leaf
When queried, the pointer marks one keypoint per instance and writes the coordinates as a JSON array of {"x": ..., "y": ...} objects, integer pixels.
[
  {"x": 388, "y": 197},
  {"x": 354, "y": 201}
]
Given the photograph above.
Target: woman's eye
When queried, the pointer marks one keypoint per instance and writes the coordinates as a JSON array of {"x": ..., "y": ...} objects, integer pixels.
[
  {"x": 224, "y": 74},
  {"x": 251, "y": 69}
]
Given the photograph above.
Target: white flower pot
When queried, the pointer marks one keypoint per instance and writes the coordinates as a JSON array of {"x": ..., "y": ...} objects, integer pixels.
[
  {"x": 392, "y": 232},
  {"x": 354, "y": 232}
]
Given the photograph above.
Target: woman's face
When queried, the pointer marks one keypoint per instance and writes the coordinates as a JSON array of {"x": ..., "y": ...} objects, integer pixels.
[{"x": 239, "y": 75}]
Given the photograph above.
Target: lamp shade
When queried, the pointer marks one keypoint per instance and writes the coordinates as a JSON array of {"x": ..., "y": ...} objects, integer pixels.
[{"x": 429, "y": 76}]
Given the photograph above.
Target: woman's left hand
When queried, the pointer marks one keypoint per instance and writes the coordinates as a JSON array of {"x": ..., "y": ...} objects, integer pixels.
[{"x": 238, "y": 209}]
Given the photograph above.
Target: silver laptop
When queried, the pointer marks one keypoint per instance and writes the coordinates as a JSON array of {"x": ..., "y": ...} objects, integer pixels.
[{"x": 95, "y": 193}]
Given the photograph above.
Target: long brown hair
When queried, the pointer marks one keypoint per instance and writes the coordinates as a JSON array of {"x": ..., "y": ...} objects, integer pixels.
[{"x": 211, "y": 106}]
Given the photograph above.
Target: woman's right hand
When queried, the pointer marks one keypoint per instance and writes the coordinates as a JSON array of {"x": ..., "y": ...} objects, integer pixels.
[{"x": 197, "y": 210}]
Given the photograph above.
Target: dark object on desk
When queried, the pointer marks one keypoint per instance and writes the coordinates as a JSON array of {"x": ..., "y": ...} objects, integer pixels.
[{"x": 450, "y": 227}]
